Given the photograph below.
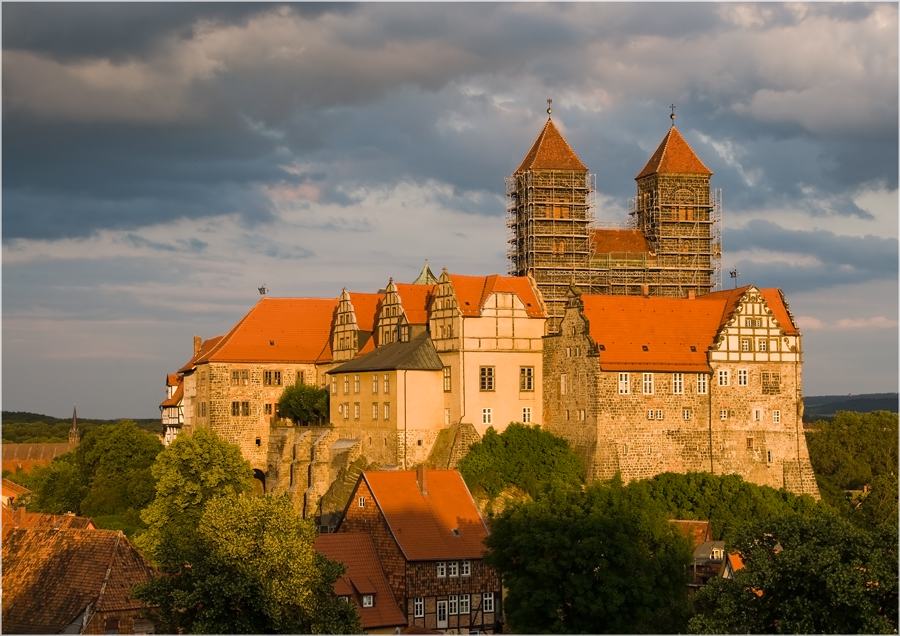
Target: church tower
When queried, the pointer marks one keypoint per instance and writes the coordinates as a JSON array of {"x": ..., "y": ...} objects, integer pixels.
[
  {"x": 74, "y": 435},
  {"x": 550, "y": 200}
]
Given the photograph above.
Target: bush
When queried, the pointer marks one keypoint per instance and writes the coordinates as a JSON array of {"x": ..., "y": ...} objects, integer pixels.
[{"x": 304, "y": 404}]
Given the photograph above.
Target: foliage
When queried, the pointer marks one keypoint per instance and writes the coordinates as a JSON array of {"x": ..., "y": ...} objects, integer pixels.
[
  {"x": 597, "y": 560},
  {"x": 191, "y": 471},
  {"x": 727, "y": 501},
  {"x": 21, "y": 427},
  {"x": 829, "y": 577},
  {"x": 253, "y": 569},
  {"x": 59, "y": 487},
  {"x": 523, "y": 456},
  {"x": 303, "y": 403}
]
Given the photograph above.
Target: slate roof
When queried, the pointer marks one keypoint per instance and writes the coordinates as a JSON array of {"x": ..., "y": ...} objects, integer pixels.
[
  {"x": 423, "y": 524},
  {"x": 417, "y": 354},
  {"x": 364, "y": 575},
  {"x": 51, "y": 576},
  {"x": 279, "y": 330},
  {"x": 674, "y": 156},
  {"x": 550, "y": 152},
  {"x": 605, "y": 241},
  {"x": 668, "y": 327},
  {"x": 473, "y": 291}
]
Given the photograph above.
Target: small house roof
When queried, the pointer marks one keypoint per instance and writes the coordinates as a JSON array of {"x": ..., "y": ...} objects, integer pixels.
[{"x": 417, "y": 354}]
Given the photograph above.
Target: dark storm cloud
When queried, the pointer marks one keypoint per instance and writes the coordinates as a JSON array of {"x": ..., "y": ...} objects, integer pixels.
[{"x": 194, "y": 245}]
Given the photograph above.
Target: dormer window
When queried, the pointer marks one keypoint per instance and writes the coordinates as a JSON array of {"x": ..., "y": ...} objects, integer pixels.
[{"x": 368, "y": 600}]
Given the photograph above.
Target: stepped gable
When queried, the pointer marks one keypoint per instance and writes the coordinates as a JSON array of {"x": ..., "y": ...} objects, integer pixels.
[
  {"x": 415, "y": 300},
  {"x": 551, "y": 152},
  {"x": 473, "y": 291},
  {"x": 668, "y": 327},
  {"x": 51, "y": 576},
  {"x": 423, "y": 524},
  {"x": 417, "y": 354},
  {"x": 364, "y": 575},
  {"x": 606, "y": 241},
  {"x": 674, "y": 156},
  {"x": 279, "y": 330},
  {"x": 366, "y": 308}
]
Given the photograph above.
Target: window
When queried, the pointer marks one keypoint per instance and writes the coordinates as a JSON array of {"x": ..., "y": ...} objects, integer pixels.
[
  {"x": 724, "y": 378},
  {"x": 235, "y": 409},
  {"x": 374, "y": 410},
  {"x": 526, "y": 415},
  {"x": 701, "y": 384},
  {"x": 678, "y": 383},
  {"x": 356, "y": 383},
  {"x": 419, "y": 607},
  {"x": 387, "y": 410},
  {"x": 202, "y": 409},
  {"x": 750, "y": 443},
  {"x": 742, "y": 377},
  {"x": 448, "y": 386},
  {"x": 272, "y": 378},
  {"x": 723, "y": 414},
  {"x": 453, "y": 605},
  {"x": 446, "y": 418},
  {"x": 356, "y": 410},
  {"x": 763, "y": 345},
  {"x": 453, "y": 568},
  {"x": 267, "y": 409},
  {"x": 277, "y": 378},
  {"x": 567, "y": 415},
  {"x": 245, "y": 377},
  {"x": 624, "y": 381},
  {"x": 563, "y": 384},
  {"x": 648, "y": 384},
  {"x": 235, "y": 378},
  {"x": 659, "y": 414},
  {"x": 769, "y": 456},
  {"x": 486, "y": 416},
  {"x": 465, "y": 604},
  {"x": 486, "y": 375},
  {"x": 442, "y": 569},
  {"x": 245, "y": 409},
  {"x": 776, "y": 417},
  {"x": 374, "y": 384},
  {"x": 757, "y": 415},
  {"x": 346, "y": 384},
  {"x": 686, "y": 414},
  {"x": 465, "y": 568},
  {"x": 526, "y": 379},
  {"x": 748, "y": 322},
  {"x": 651, "y": 414},
  {"x": 368, "y": 600},
  {"x": 745, "y": 345},
  {"x": 333, "y": 385},
  {"x": 387, "y": 384},
  {"x": 487, "y": 602},
  {"x": 771, "y": 383},
  {"x": 346, "y": 409},
  {"x": 301, "y": 377},
  {"x": 581, "y": 414},
  {"x": 756, "y": 322},
  {"x": 361, "y": 502}
]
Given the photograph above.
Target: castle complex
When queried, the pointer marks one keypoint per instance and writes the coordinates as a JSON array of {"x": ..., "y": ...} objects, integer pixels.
[{"x": 617, "y": 339}]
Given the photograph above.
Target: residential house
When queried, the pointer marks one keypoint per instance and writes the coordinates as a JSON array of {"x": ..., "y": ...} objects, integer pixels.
[
  {"x": 172, "y": 408},
  {"x": 429, "y": 537}
]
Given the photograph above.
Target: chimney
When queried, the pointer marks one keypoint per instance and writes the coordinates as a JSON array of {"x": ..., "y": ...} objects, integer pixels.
[
  {"x": 692, "y": 294},
  {"x": 421, "y": 479},
  {"x": 196, "y": 346},
  {"x": 645, "y": 290}
]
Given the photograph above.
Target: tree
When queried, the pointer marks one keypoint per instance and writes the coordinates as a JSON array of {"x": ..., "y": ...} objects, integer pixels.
[
  {"x": 599, "y": 560},
  {"x": 522, "y": 456},
  {"x": 190, "y": 472},
  {"x": 59, "y": 487},
  {"x": 252, "y": 569},
  {"x": 303, "y": 403},
  {"x": 827, "y": 577}
]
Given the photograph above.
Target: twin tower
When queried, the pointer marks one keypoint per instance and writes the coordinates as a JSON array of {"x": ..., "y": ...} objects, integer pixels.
[{"x": 670, "y": 247}]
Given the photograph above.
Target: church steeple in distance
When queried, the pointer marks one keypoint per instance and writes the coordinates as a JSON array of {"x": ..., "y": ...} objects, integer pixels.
[{"x": 74, "y": 435}]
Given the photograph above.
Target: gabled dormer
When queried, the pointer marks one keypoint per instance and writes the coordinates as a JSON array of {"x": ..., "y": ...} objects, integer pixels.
[
  {"x": 404, "y": 312},
  {"x": 354, "y": 326},
  {"x": 758, "y": 327}
]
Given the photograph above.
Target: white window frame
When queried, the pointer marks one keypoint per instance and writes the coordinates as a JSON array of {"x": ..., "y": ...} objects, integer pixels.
[
  {"x": 387, "y": 410},
  {"x": 452, "y": 605},
  {"x": 356, "y": 410},
  {"x": 757, "y": 415},
  {"x": 487, "y": 602},
  {"x": 763, "y": 346},
  {"x": 745, "y": 344},
  {"x": 387, "y": 384},
  {"x": 346, "y": 384},
  {"x": 648, "y": 384},
  {"x": 361, "y": 502},
  {"x": 651, "y": 414},
  {"x": 374, "y": 384},
  {"x": 624, "y": 383},
  {"x": 368, "y": 600},
  {"x": 563, "y": 384},
  {"x": 465, "y": 604},
  {"x": 441, "y": 569},
  {"x": 702, "y": 384},
  {"x": 465, "y": 568},
  {"x": 419, "y": 607},
  {"x": 486, "y": 379},
  {"x": 742, "y": 377},
  {"x": 453, "y": 568},
  {"x": 678, "y": 383},
  {"x": 724, "y": 376},
  {"x": 776, "y": 416},
  {"x": 723, "y": 414},
  {"x": 333, "y": 385},
  {"x": 487, "y": 416},
  {"x": 686, "y": 414},
  {"x": 356, "y": 383},
  {"x": 526, "y": 415},
  {"x": 659, "y": 414},
  {"x": 526, "y": 378}
]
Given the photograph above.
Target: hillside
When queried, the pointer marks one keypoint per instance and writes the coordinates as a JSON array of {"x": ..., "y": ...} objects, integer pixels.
[
  {"x": 21, "y": 427},
  {"x": 825, "y": 406}
]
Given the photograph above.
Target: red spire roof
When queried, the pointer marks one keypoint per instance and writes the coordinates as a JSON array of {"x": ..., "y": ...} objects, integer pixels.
[
  {"x": 674, "y": 156},
  {"x": 551, "y": 152}
]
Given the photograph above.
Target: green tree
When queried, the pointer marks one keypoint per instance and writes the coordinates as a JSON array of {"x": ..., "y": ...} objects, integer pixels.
[
  {"x": 599, "y": 560},
  {"x": 252, "y": 569},
  {"x": 828, "y": 577},
  {"x": 304, "y": 403},
  {"x": 59, "y": 487},
  {"x": 522, "y": 456}
]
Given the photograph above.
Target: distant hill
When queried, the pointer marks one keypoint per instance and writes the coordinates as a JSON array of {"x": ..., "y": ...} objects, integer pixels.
[
  {"x": 21, "y": 427},
  {"x": 825, "y": 406}
]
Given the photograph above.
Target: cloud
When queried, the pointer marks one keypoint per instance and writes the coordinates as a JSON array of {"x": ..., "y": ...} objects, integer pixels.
[{"x": 859, "y": 324}]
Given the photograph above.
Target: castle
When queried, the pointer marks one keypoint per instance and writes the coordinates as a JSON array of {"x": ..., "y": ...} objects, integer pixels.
[{"x": 614, "y": 338}]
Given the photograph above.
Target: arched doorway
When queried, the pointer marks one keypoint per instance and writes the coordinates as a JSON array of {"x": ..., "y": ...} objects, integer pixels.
[{"x": 259, "y": 482}]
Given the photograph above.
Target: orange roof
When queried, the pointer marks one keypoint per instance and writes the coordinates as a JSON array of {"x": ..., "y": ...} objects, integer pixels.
[
  {"x": 674, "y": 155},
  {"x": 173, "y": 379},
  {"x": 415, "y": 300},
  {"x": 365, "y": 308},
  {"x": 628, "y": 241},
  {"x": 775, "y": 300},
  {"x": 442, "y": 524},
  {"x": 473, "y": 291},
  {"x": 696, "y": 532},
  {"x": 12, "y": 489},
  {"x": 279, "y": 330},
  {"x": 205, "y": 348},
  {"x": 175, "y": 400},
  {"x": 43, "y": 520},
  {"x": 551, "y": 152},
  {"x": 364, "y": 576},
  {"x": 667, "y": 327}
]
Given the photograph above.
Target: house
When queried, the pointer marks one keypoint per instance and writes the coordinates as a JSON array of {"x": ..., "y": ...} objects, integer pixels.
[
  {"x": 709, "y": 558},
  {"x": 429, "y": 537},
  {"x": 72, "y": 581},
  {"x": 12, "y": 492},
  {"x": 644, "y": 385},
  {"x": 24, "y": 457},
  {"x": 364, "y": 582},
  {"x": 171, "y": 409},
  {"x": 696, "y": 532},
  {"x": 731, "y": 564}
]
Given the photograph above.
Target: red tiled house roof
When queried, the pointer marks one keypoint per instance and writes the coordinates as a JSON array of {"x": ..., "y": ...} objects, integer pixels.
[
  {"x": 51, "y": 577},
  {"x": 176, "y": 398},
  {"x": 473, "y": 291},
  {"x": 205, "y": 348},
  {"x": 674, "y": 156},
  {"x": 415, "y": 299},
  {"x": 366, "y": 308},
  {"x": 13, "y": 490},
  {"x": 38, "y": 520},
  {"x": 696, "y": 532},
  {"x": 364, "y": 576},
  {"x": 26, "y": 456},
  {"x": 551, "y": 152}
]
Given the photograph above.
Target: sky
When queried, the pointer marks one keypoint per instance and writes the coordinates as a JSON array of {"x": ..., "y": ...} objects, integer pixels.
[{"x": 163, "y": 161}]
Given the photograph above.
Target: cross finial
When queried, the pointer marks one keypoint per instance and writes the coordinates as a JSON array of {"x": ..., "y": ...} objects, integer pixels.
[
  {"x": 672, "y": 116},
  {"x": 549, "y": 109}
]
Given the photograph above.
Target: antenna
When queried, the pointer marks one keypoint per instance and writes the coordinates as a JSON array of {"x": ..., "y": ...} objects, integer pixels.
[{"x": 734, "y": 274}]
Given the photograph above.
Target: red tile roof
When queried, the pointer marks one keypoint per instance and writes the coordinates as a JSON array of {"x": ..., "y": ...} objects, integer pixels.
[
  {"x": 12, "y": 489},
  {"x": 366, "y": 308},
  {"x": 175, "y": 400},
  {"x": 364, "y": 575},
  {"x": 51, "y": 576},
  {"x": 415, "y": 300},
  {"x": 472, "y": 292},
  {"x": 205, "y": 348},
  {"x": 279, "y": 330},
  {"x": 551, "y": 152},
  {"x": 623, "y": 241},
  {"x": 697, "y": 532},
  {"x": 674, "y": 156},
  {"x": 173, "y": 379},
  {"x": 26, "y": 456},
  {"x": 775, "y": 300},
  {"x": 43, "y": 520},
  {"x": 423, "y": 524}
]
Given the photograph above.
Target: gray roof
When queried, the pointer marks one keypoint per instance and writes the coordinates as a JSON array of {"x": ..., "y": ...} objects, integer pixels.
[{"x": 418, "y": 354}]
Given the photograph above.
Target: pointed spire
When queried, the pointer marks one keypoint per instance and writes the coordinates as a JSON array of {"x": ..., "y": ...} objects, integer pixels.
[
  {"x": 426, "y": 277},
  {"x": 73, "y": 430},
  {"x": 674, "y": 155},
  {"x": 551, "y": 152}
]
